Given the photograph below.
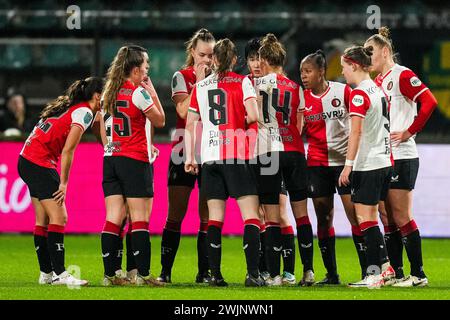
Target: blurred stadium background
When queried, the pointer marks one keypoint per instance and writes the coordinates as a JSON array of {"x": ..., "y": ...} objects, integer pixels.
[{"x": 40, "y": 56}]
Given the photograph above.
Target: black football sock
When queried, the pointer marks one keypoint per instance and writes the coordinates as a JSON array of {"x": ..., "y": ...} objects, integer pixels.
[
  {"x": 394, "y": 246},
  {"x": 41, "y": 247},
  {"x": 131, "y": 262},
  {"x": 55, "y": 243},
  {"x": 413, "y": 246},
  {"x": 327, "y": 241},
  {"x": 373, "y": 239},
  {"x": 305, "y": 242},
  {"x": 141, "y": 247},
  {"x": 273, "y": 248},
  {"x": 288, "y": 252},
  {"x": 360, "y": 245},
  {"x": 119, "y": 253},
  {"x": 262, "y": 249},
  {"x": 110, "y": 241},
  {"x": 202, "y": 248},
  {"x": 215, "y": 247},
  {"x": 169, "y": 245},
  {"x": 251, "y": 246}
]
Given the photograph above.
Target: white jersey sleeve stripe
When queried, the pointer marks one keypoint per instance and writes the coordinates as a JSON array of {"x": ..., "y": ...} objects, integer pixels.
[
  {"x": 191, "y": 109},
  {"x": 419, "y": 93},
  {"x": 357, "y": 114},
  {"x": 78, "y": 125},
  {"x": 149, "y": 107}
]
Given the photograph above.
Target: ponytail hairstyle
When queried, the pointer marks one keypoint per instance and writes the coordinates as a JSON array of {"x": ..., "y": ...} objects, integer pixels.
[
  {"x": 272, "y": 51},
  {"x": 319, "y": 59},
  {"x": 79, "y": 91},
  {"x": 360, "y": 56},
  {"x": 203, "y": 35},
  {"x": 225, "y": 53},
  {"x": 383, "y": 39},
  {"x": 127, "y": 58}
]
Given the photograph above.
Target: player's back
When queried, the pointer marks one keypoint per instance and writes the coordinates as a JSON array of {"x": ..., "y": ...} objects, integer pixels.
[
  {"x": 278, "y": 114},
  {"x": 126, "y": 130},
  {"x": 46, "y": 142},
  {"x": 220, "y": 103}
]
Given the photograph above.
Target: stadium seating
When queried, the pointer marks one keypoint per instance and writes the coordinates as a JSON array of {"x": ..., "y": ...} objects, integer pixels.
[
  {"x": 182, "y": 23},
  {"x": 226, "y": 22},
  {"x": 39, "y": 22},
  {"x": 15, "y": 56},
  {"x": 60, "y": 56}
]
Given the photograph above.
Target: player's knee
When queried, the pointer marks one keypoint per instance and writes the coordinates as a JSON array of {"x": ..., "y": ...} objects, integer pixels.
[{"x": 325, "y": 221}]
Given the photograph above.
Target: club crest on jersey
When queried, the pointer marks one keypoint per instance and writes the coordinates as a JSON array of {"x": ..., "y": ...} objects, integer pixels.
[
  {"x": 415, "y": 82},
  {"x": 335, "y": 102},
  {"x": 390, "y": 85},
  {"x": 358, "y": 100},
  {"x": 87, "y": 118}
]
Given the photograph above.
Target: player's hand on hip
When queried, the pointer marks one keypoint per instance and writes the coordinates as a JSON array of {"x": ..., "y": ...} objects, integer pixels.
[
  {"x": 344, "y": 178},
  {"x": 398, "y": 137},
  {"x": 60, "y": 195}
]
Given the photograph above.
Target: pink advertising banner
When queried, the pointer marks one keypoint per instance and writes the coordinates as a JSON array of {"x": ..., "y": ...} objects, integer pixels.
[{"x": 85, "y": 203}]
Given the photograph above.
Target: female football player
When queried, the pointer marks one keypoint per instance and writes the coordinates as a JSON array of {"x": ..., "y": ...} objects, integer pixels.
[
  {"x": 281, "y": 157},
  {"x": 368, "y": 159},
  {"x": 226, "y": 104},
  {"x": 327, "y": 128},
  {"x": 287, "y": 233},
  {"x": 405, "y": 91},
  {"x": 129, "y": 99},
  {"x": 57, "y": 134},
  {"x": 199, "y": 51}
]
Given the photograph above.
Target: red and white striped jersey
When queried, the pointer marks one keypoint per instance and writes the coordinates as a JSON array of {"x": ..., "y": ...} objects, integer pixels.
[
  {"x": 402, "y": 87},
  {"x": 220, "y": 104},
  {"x": 127, "y": 131},
  {"x": 252, "y": 129},
  {"x": 281, "y": 100},
  {"x": 46, "y": 142},
  {"x": 368, "y": 101},
  {"x": 183, "y": 81},
  {"x": 327, "y": 125}
]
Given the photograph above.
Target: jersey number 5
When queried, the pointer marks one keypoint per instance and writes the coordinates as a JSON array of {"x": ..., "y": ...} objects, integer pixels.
[{"x": 121, "y": 129}]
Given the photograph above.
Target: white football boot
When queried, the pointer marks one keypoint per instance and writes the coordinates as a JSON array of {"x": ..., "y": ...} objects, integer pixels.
[
  {"x": 411, "y": 281},
  {"x": 66, "y": 278},
  {"x": 274, "y": 282},
  {"x": 288, "y": 278},
  {"x": 359, "y": 284},
  {"x": 45, "y": 278},
  {"x": 308, "y": 279}
]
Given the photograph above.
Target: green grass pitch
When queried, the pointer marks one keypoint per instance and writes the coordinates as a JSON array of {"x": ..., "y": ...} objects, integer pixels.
[{"x": 19, "y": 273}]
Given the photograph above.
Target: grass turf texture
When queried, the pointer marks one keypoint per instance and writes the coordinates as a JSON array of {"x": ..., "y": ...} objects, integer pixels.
[{"x": 19, "y": 273}]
